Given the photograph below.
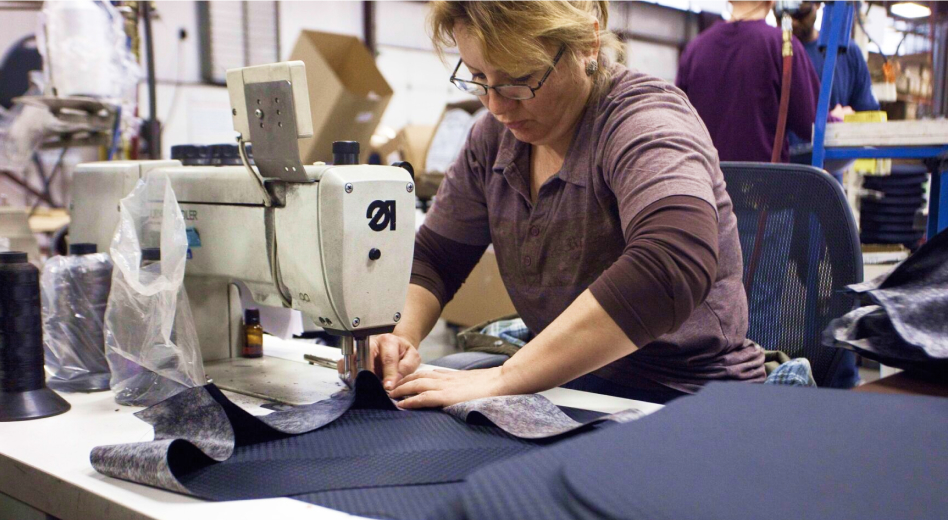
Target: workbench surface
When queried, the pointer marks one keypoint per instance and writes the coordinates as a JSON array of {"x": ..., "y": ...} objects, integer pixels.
[{"x": 45, "y": 462}]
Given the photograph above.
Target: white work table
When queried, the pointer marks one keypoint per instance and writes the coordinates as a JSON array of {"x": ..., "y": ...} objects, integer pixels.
[{"x": 45, "y": 462}]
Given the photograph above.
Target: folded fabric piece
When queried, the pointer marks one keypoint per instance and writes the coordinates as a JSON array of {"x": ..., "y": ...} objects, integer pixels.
[
  {"x": 357, "y": 440},
  {"x": 733, "y": 451},
  {"x": 905, "y": 326}
]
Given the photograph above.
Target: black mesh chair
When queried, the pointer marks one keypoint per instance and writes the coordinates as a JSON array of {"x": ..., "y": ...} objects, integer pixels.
[{"x": 801, "y": 249}]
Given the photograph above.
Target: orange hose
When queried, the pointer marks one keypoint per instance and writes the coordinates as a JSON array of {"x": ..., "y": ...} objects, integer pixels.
[{"x": 784, "y": 108}]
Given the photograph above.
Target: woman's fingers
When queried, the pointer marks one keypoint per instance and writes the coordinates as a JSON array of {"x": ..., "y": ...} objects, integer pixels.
[
  {"x": 431, "y": 399},
  {"x": 409, "y": 363},
  {"x": 416, "y": 386},
  {"x": 389, "y": 356},
  {"x": 431, "y": 374}
]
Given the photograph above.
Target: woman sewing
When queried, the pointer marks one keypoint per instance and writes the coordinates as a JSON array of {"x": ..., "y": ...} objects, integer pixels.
[{"x": 602, "y": 195}]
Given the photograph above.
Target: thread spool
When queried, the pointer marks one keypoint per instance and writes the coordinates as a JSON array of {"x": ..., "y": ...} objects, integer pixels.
[
  {"x": 23, "y": 391},
  {"x": 77, "y": 289}
]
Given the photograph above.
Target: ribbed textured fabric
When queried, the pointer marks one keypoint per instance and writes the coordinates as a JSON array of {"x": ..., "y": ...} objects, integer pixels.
[{"x": 734, "y": 451}]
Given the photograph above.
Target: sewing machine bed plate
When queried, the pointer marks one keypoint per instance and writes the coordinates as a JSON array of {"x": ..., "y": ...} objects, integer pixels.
[{"x": 274, "y": 379}]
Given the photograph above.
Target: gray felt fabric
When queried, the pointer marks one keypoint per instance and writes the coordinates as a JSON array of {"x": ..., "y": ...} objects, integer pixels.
[
  {"x": 528, "y": 416},
  {"x": 905, "y": 324},
  {"x": 200, "y": 425},
  {"x": 536, "y": 416},
  {"x": 143, "y": 463}
]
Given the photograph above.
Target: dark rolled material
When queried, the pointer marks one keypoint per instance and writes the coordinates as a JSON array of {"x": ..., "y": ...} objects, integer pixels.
[
  {"x": 191, "y": 154},
  {"x": 23, "y": 391},
  {"x": 891, "y": 219},
  {"x": 83, "y": 248},
  {"x": 75, "y": 291},
  {"x": 151, "y": 254},
  {"x": 345, "y": 152}
]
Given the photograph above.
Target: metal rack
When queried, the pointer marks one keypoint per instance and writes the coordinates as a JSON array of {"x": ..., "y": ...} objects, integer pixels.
[{"x": 837, "y": 23}]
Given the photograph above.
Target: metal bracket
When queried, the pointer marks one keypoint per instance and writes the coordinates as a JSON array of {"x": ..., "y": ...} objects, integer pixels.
[
  {"x": 277, "y": 190},
  {"x": 272, "y": 117}
]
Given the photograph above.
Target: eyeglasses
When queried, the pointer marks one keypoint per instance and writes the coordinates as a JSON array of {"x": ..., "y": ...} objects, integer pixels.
[{"x": 518, "y": 92}]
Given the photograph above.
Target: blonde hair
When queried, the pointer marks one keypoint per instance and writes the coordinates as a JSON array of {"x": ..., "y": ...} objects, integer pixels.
[{"x": 518, "y": 37}]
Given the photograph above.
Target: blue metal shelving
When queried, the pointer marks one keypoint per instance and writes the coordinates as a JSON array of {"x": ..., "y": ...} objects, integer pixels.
[{"x": 837, "y": 25}]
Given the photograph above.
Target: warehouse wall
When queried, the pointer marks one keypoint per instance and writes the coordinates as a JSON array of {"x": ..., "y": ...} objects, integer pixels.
[
  {"x": 15, "y": 25},
  {"x": 190, "y": 109}
]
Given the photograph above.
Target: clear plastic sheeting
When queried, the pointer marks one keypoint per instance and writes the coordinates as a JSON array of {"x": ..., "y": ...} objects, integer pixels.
[
  {"x": 151, "y": 343},
  {"x": 85, "y": 50},
  {"x": 21, "y": 133},
  {"x": 75, "y": 290}
]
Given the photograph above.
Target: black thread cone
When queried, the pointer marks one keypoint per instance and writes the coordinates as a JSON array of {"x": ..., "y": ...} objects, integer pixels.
[
  {"x": 32, "y": 404},
  {"x": 23, "y": 392}
]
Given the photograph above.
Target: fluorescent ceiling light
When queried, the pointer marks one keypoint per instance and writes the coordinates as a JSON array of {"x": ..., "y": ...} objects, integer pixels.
[{"x": 910, "y": 10}]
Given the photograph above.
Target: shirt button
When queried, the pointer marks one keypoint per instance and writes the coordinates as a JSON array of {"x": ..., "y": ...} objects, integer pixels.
[
  {"x": 534, "y": 231},
  {"x": 527, "y": 261}
]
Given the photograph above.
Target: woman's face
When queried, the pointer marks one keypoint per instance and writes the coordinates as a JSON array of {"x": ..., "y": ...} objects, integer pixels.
[{"x": 549, "y": 118}]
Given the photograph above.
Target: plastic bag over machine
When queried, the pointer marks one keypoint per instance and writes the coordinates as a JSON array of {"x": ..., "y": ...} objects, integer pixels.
[{"x": 151, "y": 342}]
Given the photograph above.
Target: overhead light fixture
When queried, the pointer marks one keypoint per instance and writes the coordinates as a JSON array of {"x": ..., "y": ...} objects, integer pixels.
[{"x": 910, "y": 10}]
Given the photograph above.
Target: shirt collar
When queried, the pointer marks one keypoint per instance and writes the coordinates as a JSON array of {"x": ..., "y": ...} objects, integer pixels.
[{"x": 514, "y": 154}]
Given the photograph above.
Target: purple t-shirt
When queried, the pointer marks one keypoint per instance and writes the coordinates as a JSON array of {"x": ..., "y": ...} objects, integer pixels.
[{"x": 732, "y": 75}]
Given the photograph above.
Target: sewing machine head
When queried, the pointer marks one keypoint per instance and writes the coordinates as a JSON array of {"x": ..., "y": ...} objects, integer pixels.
[{"x": 333, "y": 241}]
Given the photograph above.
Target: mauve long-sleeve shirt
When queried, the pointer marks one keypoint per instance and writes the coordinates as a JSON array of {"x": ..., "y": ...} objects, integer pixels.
[{"x": 638, "y": 215}]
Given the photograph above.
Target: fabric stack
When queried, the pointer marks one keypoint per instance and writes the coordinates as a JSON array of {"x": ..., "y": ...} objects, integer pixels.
[
  {"x": 902, "y": 322},
  {"x": 891, "y": 219}
]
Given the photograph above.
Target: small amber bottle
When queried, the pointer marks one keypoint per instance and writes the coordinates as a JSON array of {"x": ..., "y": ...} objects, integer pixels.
[{"x": 253, "y": 348}]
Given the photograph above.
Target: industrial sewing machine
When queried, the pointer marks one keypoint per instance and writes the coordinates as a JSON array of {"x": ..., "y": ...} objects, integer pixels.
[{"x": 333, "y": 241}]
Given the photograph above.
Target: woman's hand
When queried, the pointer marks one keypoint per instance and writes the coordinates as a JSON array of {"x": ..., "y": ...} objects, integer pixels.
[
  {"x": 439, "y": 388},
  {"x": 394, "y": 358}
]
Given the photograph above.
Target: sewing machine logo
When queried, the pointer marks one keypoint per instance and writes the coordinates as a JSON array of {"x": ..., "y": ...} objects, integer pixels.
[{"x": 381, "y": 214}]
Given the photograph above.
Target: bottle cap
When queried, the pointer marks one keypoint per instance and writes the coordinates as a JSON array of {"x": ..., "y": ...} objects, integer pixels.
[
  {"x": 12, "y": 257},
  {"x": 252, "y": 317},
  {"x": 83, "y": 248}
]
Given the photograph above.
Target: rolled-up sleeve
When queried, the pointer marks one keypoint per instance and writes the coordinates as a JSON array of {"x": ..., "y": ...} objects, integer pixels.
[
  {"x": 658, "y": 161},
  {"x": 666, "y": 270}
]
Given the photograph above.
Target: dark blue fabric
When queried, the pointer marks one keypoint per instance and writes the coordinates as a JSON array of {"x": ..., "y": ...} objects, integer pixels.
[
  {"x": 847, "y": 375},
  {"x": 852, "y": 84},
  {"x": 597, "y": 385},
  {"x": 735, "y": 451}
]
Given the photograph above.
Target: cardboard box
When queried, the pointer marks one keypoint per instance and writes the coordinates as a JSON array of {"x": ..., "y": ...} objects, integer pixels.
[
  {"x": 15, "y": 229},
  {"x": 347, "y": 93},
  {"x": 430, "y": 177},
  {"x": 482, "y": 297},
  {"x": 410, "y": 144}
]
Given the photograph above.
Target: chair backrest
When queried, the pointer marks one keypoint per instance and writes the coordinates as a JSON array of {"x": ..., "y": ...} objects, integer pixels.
[{"x": 801, "y": 249}]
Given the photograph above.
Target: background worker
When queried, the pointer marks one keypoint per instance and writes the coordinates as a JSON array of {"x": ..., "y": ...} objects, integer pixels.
[
  {"x": 601, "y": 193},
  {"x": 852, "y": 83},
  {"x": 732, "y": 74}
]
